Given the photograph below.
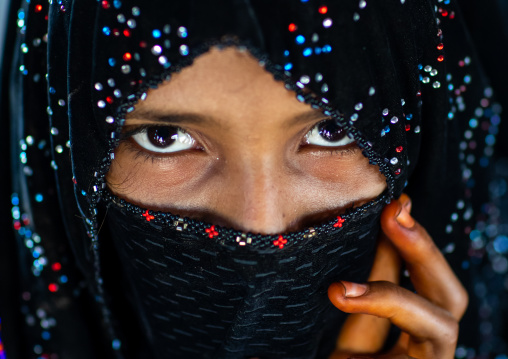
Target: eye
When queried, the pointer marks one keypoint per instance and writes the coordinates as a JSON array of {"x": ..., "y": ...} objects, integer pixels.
[
  {"x": 328, "y": 133},
  {"x": 164, "y": 139}
]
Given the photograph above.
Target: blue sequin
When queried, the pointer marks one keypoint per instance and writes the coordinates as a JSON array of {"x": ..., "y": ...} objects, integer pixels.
[
  {"x": 46, "y": 335},
  {"x": 473, "y": 123},
  {"x": 317, "y": 50},
  {"x": 307, "y": 52},
  {"x": 286, "y": 53},
  {"x": 116, "y": 344},
  {"x": 490, "y": 140},
  {"x": 64, "y": 279},
  {"x": 288, "y": 66},
  {"x": 112, "y": 62},
  {"x": 327, "y": 48},
  {"x": 467, "y": 79},
  {"x": 106, "y": 30},
  {"x": 15, "y": 199},
  {"x": 117, "y": 4},
  {"x": 156, "y": 33},
  {"x": 300, "y": 39},
  {"x": 39, "y": 197}
]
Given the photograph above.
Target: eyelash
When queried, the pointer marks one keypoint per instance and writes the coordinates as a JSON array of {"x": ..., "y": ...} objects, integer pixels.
[{"x": 145, "y": 155}]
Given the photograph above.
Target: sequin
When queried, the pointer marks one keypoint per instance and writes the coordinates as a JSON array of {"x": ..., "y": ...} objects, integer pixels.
[
  {"x": 135, "y": 11},
  {"x": 182, "y": 32},
  {"x": 184, "y": 50},
  {"x": 156, "y": 50},
  {"x": 120, "y": 18},
  {"x": 362, "y": 4},
  {"x": 292, "y": 27},
  {"x": 394, "y": 119},
  {"x": 156, "y": 34},
  {"x": 126, "y": 69},
  {"x": 358, "y": 106},
  {"x": 324, "y": 88},
  {"x": 394, "y": 161},
  {"x": 372, "y": 91},
  {"x": 436, "y": 84},
  {"x": 327, "y": 23},
  {"x": 101, "y": 104},
  {"x": 385, "y": 112},
  {"x": 300, "y": 39}
]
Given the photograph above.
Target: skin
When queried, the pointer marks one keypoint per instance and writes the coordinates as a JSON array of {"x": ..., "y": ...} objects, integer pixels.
[
  {"x": 254, "y": 161},
  {"x": 251, "y": 168}
]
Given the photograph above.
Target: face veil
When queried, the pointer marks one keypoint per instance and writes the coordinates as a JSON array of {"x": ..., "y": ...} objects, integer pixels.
[{"x": 401, "y": 78}]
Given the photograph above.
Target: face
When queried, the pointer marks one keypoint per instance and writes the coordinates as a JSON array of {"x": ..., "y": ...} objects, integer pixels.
[{"x": 225, "y": 143}]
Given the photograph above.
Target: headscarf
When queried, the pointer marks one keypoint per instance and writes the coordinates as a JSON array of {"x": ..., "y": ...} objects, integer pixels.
[{"x": 400, "y": 76}]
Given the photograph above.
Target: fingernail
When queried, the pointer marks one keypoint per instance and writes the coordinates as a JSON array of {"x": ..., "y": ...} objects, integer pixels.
[
  {"x": 404, "y": 218},
  {"x": 354, "y": 289},
  {"x": 408, "y": 204}
]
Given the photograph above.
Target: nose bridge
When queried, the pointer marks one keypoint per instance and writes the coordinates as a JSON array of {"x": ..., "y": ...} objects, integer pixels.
[{"x": 259, "y": 193}]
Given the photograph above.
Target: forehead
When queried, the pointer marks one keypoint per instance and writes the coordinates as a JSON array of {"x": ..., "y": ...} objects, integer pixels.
[{"x": 224, "y": 81}]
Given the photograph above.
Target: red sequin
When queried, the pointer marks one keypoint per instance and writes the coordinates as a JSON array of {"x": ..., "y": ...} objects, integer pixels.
[
  {"x": 116, "y": 32},
  {"x": 418, "y": 94},
  {"x": 17, "y": 225},
  {"x": 105, "y": 4},
  {"x": 211, "y": 232},
  {"x": 399, "y": 149},
  {"x": 440, "y": 46},
  {"x": 452, "y": 15},
  {"x": 280, "y": 242},
  {"x": 127, "y": 56},
  {"x": 323, "y": 10},
  {"x": 126, "y": 33},
  {"x": 440, "y": 58},
  {"x": 408, "y": 127},
  {"x": 444, "y": 13},
  {"x": 148, "y": 216},
  {"x": 339, "y": 222},
  {"x": 142, "y": 44},
  {"x": 56, "y": 266},
  {"x": 109, "y": 100},
  {"x": 292, "y": 27},
  {"x": 53, "y": 287},
  {"x": 38, "y": 8},
  {"x": 398, "y": 171}
]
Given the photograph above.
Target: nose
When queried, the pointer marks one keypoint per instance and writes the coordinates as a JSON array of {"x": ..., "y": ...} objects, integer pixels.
[{"x": 255, "y": 195}]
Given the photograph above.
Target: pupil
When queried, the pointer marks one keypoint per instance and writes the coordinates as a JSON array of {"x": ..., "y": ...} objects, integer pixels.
[
  {"x": 331, "y": 132},
  {"x": 161, "y": 136}
]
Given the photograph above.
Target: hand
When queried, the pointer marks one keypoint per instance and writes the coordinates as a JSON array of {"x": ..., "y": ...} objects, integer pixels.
[{"x": 428, "y": 318}]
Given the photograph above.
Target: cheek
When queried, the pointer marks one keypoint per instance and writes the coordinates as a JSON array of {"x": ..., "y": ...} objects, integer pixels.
[
  {"x": 341, "y": 179},
  {"x": 152, "y": 181}
]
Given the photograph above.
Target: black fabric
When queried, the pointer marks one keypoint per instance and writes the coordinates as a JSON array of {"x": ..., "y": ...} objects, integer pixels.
[{"x": 400, "y": 76}]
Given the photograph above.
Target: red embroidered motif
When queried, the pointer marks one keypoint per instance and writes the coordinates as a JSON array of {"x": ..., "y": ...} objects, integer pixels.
[
  {"x": 280, "y": 242},
  {"x": 339, "y": 222},
  {"x": 148, "y": 216},
  {"x": 211, "y": 232}
]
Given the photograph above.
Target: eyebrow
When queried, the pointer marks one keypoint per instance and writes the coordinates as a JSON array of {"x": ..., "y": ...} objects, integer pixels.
[{"x": 196, "y": 118}]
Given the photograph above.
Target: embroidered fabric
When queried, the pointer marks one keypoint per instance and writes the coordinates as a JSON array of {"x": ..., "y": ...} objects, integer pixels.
[{"x": 401, "y": 77}]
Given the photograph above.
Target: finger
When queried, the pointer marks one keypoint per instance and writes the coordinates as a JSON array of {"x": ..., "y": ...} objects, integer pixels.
[
  {"x": 430, "y": 273},
  {"x": 366, "y": 333},
  {"x": 433, "y": 331}
]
